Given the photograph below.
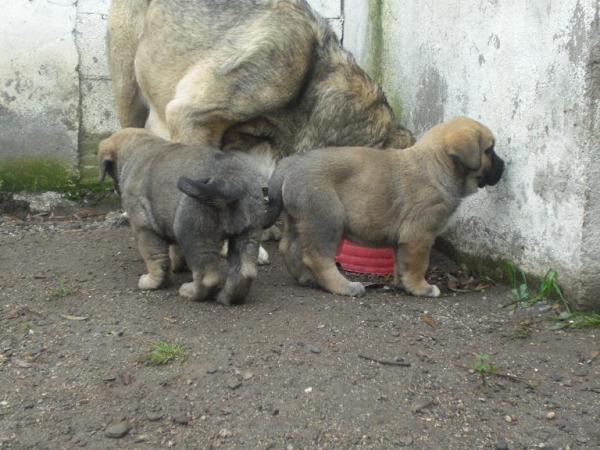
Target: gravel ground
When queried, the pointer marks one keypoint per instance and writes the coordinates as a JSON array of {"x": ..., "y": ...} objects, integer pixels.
[{"x": 293, "y": 368}]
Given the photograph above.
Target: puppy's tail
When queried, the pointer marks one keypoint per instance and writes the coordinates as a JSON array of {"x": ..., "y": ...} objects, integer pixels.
[
  {"x": 275, "y": 199},
  {"x": 213, "y": 191}
]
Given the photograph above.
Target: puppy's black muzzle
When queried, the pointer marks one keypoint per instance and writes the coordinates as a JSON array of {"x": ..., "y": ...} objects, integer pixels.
[{"x": 493, "y": 175}]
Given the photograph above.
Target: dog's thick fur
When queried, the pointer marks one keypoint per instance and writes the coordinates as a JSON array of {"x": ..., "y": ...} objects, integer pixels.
[
  {"x": 397, "y": 198},
  {"x": 191, "y": 198},
  {"x": 267, "y": 78}
]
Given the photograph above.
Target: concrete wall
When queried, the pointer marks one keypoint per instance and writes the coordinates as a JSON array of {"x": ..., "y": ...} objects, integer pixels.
[{"x": 523, "y": 68}]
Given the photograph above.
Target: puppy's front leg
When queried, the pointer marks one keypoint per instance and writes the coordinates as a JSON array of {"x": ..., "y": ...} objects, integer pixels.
[
  {"x": 411, "y": 262},
  {"x": 155, "y": 252}
]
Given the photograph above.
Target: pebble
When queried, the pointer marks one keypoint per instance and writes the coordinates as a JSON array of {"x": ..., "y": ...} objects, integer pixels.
[
  {"x": 582, "y": 372},
  {"x": 501, "y": 445},
  {"x": 118, "y": 430},
  {"x": 226, "y": 411},
  {"x": 234, "y": 383},
  {"x": 211, "y": 369},
  {"x": 509, "y": 419},
  {"x": 395, "y": 333},
  {"x": 315, "y": 349},
  {"x": 247, "y": 376},
  {"x": 153, "y": 416},
  {"x": 406, "y": 441},
  {"x": 180, "y": 418},
  {"x": 355, "y": 440},
  {"x": 551, "y": 415}
]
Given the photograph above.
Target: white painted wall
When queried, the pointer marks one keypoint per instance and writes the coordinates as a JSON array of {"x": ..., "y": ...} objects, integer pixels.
[
  {"x": 520, "y": 67},
  {"x": 39, "y": 88}
]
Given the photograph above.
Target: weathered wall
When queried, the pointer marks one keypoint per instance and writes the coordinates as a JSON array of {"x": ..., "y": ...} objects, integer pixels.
[
  {"x": 39, "y": 94},
  {"x": 56, "y": 101},
  {"x": 522, "y": 67}
]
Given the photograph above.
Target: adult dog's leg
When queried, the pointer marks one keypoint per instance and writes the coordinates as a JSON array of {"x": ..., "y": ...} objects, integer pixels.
[
  {"x": 125, "y": 25},
  {"x": 411, "y": 262},
  {"x": 155, "y": 252}
]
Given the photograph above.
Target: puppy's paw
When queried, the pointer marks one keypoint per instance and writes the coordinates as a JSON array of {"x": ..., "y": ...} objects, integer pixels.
[
  {"x": 263, "y": 257},
  {"x": 271, "y": 234},
  {"x": 189, "y": 291},
  {"x": 148, "y": 282},
  {"x": 352, "y": 289},
  {"x": 429, "y": 290},
  {"x": 356, "y": 289}
]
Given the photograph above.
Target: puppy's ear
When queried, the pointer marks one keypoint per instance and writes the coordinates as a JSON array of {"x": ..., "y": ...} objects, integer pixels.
[
  {"x": 211, "y": 190},
  {"x": 464, "y": 147},
  {"x": 107, "y": 159}
]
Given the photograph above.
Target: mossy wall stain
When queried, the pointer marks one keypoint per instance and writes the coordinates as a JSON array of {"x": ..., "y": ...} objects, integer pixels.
[
  {"x": 375, "y": 55},
  {"x": 36, "y": 174},
  {"x": 88, "y": 157}
]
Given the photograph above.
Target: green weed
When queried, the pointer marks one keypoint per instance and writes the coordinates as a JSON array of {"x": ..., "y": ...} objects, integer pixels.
[
  {"x": 164, "y": 352},
  {"x": 572, "y": 320},
  {"x": 63, "y": 290}
]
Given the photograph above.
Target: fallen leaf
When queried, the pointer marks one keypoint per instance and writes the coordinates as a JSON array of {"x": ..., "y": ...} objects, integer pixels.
[
  {"x": 12, "y": 314},
  {"x": 69, "y": 317},
  {"x": 594, "y": 354},
  {"x": 428, "y": 320},
  {"x": 125, "y": 378}
]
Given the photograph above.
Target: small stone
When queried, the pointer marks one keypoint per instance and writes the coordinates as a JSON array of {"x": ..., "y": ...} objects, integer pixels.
[
  {"x": 582, "y": 372},
  {"x": 395, "y": 333},
  {"x": 551, "y": 415},
  {"x": 501, "y": 445},
  {"x": 405, "y": 441},
  {"x": 355, "y": 440},
  {"x": 211, "y": 369},
  {"x": 247, "y": 376},
  {"x": 234, "y": 383},
  {"x": 509, "y": 419},
  {"x": 117, "y": 430},
  {"x": 226, "y": 411},
  {"x": 315, "y": 349},
  {"x": 153, "y": 416},
  {"x": 180, "y": 418}
]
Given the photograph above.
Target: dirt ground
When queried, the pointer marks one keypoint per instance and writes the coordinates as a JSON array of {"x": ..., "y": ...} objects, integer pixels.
[{"x": 293, "y": 368}]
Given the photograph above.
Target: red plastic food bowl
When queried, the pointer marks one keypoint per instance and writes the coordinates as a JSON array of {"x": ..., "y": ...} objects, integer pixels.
[{"x": 357, "y": 258}]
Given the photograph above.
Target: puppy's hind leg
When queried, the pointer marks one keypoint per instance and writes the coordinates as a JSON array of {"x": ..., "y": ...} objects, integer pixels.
[
  {"x": 202, "y": 256},
  {"x": 291, "y": 250},
  {"x": 154, "y": 251},
  {"x": 411, "y": 262},
  {"x": 177, "y": 258},
  {"x": 242, "y": 256},
  {"x": 319, "y": 245}
]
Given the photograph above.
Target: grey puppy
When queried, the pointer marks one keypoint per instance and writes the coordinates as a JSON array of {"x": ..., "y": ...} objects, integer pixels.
[
  {"x": 190, "y": 198},
  {"x": 397, "y": 198}
]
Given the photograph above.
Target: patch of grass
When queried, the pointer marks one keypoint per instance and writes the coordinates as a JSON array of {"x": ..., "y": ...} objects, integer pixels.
[
  {"x": 483, "y": 366},
  {"x": 549, "y": 286},
  {"x": 163, "y": 353},
  {"x": 63, "y": 290},
  {"x": 519, "y": 291},
  {"x": 573, "y": 320},
  {"x": 26, "y": 327}
]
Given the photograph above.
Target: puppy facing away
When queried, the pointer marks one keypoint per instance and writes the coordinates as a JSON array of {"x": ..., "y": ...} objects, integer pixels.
[
  {"x": 397, "y": 198},
  {"x": 191, "y": 198}
]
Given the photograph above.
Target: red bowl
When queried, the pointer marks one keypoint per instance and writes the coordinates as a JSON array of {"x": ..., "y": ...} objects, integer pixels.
[{"x": 360, "y": 259}]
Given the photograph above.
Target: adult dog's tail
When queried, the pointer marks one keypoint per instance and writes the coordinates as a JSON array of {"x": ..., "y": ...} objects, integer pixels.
[
  {"x": 214, "y": 191},
  {"x": 275, "y": 198}
]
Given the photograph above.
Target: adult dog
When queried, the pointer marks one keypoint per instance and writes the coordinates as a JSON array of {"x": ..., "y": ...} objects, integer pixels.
[
  {"x": 267, "y": 78},
  {"x": 397, "y": 198},
  {"x": 223, "y": 200}
]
